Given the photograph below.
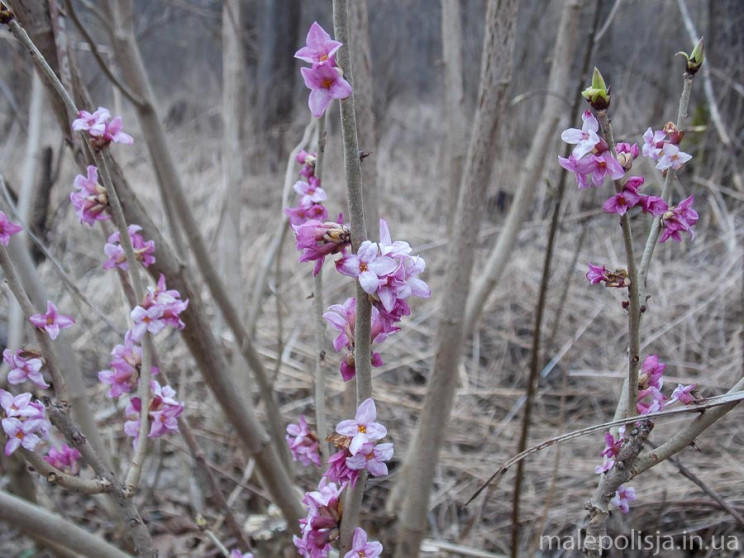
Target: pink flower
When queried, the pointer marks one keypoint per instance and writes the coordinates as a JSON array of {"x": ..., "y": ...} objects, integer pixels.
[
  {"x": 604, "y": 164},
  {"x": 52, "y": 321},
  {"x": 310, "y": 191},
  {"x": 93, "y": 123},
  {"x": 596, "y": 274},
  {"x": 683, "y": 394},
  {"x": 678, "y": 219},
  {"x": 623, "y": 497},
  {"x": 150, "y": 319},
  {"x": 65, "y": 459},
  {"x": 368, "y": 265},
  {"x": 237, "y": 554},
  {"x": 672, "y": 158},
  {"x": 90, "y": 201},
  {"x": 169, "y": 300},
  {"x": 100, "y": 130},
  {"x": 7, "y": 229},
  {"x": 360, "y": 548},
  {"x": 627, "y": 198},
  {"x": 372, "y": 458},
  {"x": 325, "y": 84},
  {"x": 115, "y": 251},
  {"x": 319, "y": 46},
  {"x": 612, "y": 444},
  {"x": 303, "y": 443},
  {"x": 653, "y": 143},
  {"x": 25, "y": 423},
  {"x": 298, "y": 215},
  {"x": 582, "y": 169},
  {"x": 654, "y": 205},
  {"x": 363, "y": 428},
  {"x": 321, "y": 526},
  {"x": 586, "y": 138},
  {"x": 338, "y": 470},
  {"x": 317, "y": 240},
  {"x": 652, "y": 405},
  {"x": 19, "y": 433},
  {"x": 163, "y": 412},
  {"x": 651, "y": 372},
  {"x": 24, "y": 366}
]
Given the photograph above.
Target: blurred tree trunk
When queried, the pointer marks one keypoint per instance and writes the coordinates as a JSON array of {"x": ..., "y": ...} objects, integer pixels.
[
  {"x": 414, "y": 483},
  {"x": 361, "y": 64},
  {"x": 276, "y": 76},
  {"x": 454, "y": 158},
  {"x": 534, "y": 164}
]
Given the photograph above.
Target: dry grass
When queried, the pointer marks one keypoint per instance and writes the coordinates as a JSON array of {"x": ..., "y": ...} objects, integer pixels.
[{"x": 693, "y": 322}]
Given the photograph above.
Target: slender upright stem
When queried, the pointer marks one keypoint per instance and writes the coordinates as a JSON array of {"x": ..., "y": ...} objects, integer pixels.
[
  {"x": 355, "y": 198},
  {"x": 634, "y": 301},
  {"x": 318, "y": 309}
]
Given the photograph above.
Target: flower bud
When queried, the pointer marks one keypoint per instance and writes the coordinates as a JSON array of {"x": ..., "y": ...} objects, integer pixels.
[
  {"x": 597, "y": 93},
  {"x": 696, "y": 58}
]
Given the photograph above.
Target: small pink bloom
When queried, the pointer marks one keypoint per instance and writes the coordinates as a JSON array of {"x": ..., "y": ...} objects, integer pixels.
[
  {"x": 678, "y": 219},
  {"x": 586, "y": 138},
  {"x": 7, "y": 229},
  {"x": 672, "y": 158},
  {"x": 363, "y": 428},
  {"x": 51, "y": 322},
  {"x": 24, "y": 366},
  {"x": 653, "y": 143},
  {"x": 360, "y": 548},
  {"x": 368, "y": 265},
  {"x": 623, "y": 497},
  {"x": 150, "y": 319},
  {"x": 303, "y": 443},
  {"x": 101, "y": 129},
  {"x": 596, "y": 274},
  {"x": 90, "y": 201},
  {"x": 325, "y": 84},
  {"x": 317, "y": 240},
  {"x": 338, "y": 470},
  {"x": 298, "y": 215},
  {"x": 620, "y": 203},
  {"x": 65, "y": 459},
  {"x": 651, "y": 372},
  {"x": 683, "y": 394},
  {"x": 654, "y": 205},
  {"x": 372, "y": 458},
  {"x": 143, "y": 251},
  {"x": 319, "y": 46},
  {"x": 582, "y": 169}
]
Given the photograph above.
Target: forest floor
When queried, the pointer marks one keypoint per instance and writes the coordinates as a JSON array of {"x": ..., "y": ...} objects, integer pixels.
[{"x": 693, "y": 322}]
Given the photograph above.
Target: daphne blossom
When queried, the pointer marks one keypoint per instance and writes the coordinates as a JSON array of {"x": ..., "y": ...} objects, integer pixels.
[
  {"x": 101, "y": 128},
  {"x": 24, "y": 366},
  {"x": 51, "y": 322},
  {"x": 91, "y": 200},
  {"x": 7, "y": 229}
]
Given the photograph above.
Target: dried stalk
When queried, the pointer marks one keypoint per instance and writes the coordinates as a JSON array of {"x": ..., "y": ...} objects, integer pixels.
[{"x": 414, "y": 484}]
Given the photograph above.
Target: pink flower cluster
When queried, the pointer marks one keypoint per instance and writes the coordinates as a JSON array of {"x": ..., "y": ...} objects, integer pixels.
[
  {"x": 7, "y": 229},
  {"x": 662, "y": 146},
  {"x": 591, "y": 162},
  {"x": 91, "y": 200},
  {"x": 388, "y": 273},
  {"x": 591, "y": 159},
  {"x": 162, "y": 415},
  {"x": 324, "y": 79},
  {"x": 143, "y": 251},
  {"x": 24, "y": 421},
  {"x": 342, "y": 318},
  {"x": 303, "y": 443},
  {"x": 102, "y": 129},
  {"x": 24, "y": 365},
  {"x": 65, "y": 459},
  {"x": 124, "y": 368},
  {"x": 311, "y": 194},
  {"x": 51, "y": 322},
  {"x": 356, "y": 440},
  {"x": 160, "y": 308},
  {"x": 650, "y": 400}
]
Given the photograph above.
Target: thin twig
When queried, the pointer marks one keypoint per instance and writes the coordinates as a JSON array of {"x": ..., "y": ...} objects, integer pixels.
[{"x": 128, "y": 93}]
